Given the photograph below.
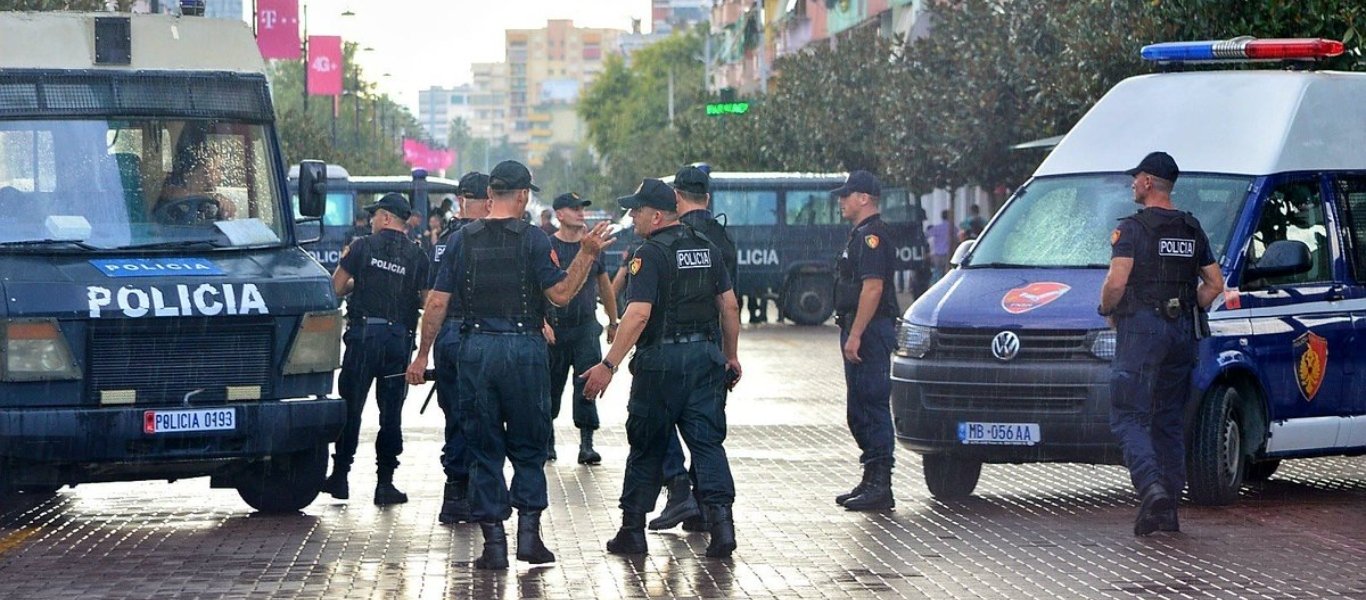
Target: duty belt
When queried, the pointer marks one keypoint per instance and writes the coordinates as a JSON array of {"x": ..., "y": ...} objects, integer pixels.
[
  {"x": 685, "y": 338},
  {"x": 513, "y": 329},
  {"x": 371, "y": 321},
  {"x": 574, "y": 322}
]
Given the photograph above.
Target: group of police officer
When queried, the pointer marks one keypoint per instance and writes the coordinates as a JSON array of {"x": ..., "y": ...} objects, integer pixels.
[{"x": 508, "y": 320}]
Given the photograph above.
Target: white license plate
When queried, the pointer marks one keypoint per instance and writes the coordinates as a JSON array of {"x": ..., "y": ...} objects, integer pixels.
[
  {"x": 204, "y": 419},
  {"x": 1010, "y": 434}
]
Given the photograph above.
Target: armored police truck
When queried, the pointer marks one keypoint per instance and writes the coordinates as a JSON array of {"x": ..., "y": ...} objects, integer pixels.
[
  {"x": 788, "y": 231},
  {"x": 1005, "y": 359},
  {"x": 159, "y": 317}
]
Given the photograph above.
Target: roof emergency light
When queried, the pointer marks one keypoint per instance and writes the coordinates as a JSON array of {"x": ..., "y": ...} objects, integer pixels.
[{"x": 1243, "y": 49}]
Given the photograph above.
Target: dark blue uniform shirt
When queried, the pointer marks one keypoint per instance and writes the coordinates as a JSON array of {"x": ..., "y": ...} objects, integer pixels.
[
  {"x": 874, "y": 257},
  {"x": 584, "y": 306}
]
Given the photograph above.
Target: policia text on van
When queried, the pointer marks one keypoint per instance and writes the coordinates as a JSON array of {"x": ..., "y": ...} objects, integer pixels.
[
  {"x": 1005, "y": 360},
  {"x": 159, "y": 320}
]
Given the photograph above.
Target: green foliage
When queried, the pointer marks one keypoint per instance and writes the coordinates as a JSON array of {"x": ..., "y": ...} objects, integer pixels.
[{"x": 46, "y": 5}]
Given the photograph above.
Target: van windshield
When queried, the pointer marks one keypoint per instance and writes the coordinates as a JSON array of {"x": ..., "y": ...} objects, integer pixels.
[
  {"x": 1066, "y": 221},
  {"x": 106, "y": 184}
]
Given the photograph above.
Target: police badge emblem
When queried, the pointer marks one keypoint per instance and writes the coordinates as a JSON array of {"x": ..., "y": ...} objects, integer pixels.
[
  {"x": 635, "y": 266},
  {"x": 872, "y": 241},
  {"x": 1311, "y": 363}
]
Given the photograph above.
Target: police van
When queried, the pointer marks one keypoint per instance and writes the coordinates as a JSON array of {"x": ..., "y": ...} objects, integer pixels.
[
  {"x": 788, "y": 232},
  {"x": 1005, "y": 360},
  {"x": 160, "y": 319}
]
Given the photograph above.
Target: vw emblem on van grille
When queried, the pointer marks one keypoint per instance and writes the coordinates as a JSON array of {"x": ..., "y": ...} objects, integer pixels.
[{"x": 1005, "y": 346}]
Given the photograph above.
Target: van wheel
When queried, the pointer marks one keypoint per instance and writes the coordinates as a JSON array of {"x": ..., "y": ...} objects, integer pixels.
[
  {"x": 1217, "y": 461},
  {"x": 285, "y": 483},
  {"x": 809, "y": 300},
  {"x": 951, "y": 478},
  {"x": 1262, "y": 471}
]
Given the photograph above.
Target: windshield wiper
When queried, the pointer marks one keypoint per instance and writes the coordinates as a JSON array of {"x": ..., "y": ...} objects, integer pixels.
[
  {"x": 1000, "y": 265},
  {"x": 171, "y": 244},
  {"x": 75, "y": 243}
]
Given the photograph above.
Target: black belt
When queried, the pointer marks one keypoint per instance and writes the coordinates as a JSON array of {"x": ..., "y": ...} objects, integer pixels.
[
  {"x": 358, "y": 321},
  {"x": 468, "y": 327},
  {"x": 582, "y": 320},
  {"x": 685, "y": 338}
]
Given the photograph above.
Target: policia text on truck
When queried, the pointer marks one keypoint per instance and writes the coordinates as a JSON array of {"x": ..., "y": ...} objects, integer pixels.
[{"x": 160, "y": 320}]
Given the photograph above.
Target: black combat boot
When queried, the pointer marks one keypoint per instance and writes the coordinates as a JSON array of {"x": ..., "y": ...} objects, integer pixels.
[
  {"x": 630, "y": 538},
  {"x": 587, "y": 455},
  {"x": 455, "y": 505},
  {"x": 495, "y": 547},
  {"x": 1155, "y": 503},
  {"x": 680, "y": 506},
  {"x": 858, "y": 489},
  {"x": 530, "y": 547},
  {"x": 722, "y": 531},
  {"x": 336, "y": 485},
  {"x": 877, "y": 494},
  {"x": 385, "y": 492},
  {"x": 551, "y": 456},
  {"x": 1168, "y": 521}
]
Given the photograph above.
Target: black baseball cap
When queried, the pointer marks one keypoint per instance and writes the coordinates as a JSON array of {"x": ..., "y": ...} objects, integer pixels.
[
  {"x": 860, "y": 182},
  {"x": 569, "y": 199},
  {"x": 393, "y": 202},
  {"x": 474, "y": 185},
  {"x": 653, "y": 193},
  {"x": 511, "y": 175},
  {"x": 1157, "y": 164},
  {"x": 692, "y": 180}
]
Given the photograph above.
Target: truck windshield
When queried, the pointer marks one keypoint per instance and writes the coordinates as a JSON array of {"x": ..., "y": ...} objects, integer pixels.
[
  {"x": 1067, "y": 221},
  {"x": 139, "y": 182}
]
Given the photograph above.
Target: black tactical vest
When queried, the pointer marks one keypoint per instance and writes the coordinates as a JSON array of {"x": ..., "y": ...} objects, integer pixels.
[
  {"x": 849, "y": 286},
  {"x": 387, "y": 285},
  {"x": 713, "y": 232},
  {"x": 1166, "y": 261},
  {"x": 498, "y": 281},
  {"x": 689, "y": 305}
]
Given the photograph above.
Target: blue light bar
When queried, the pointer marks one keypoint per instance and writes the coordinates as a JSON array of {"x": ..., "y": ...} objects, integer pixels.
[
  {"x": 1243, "y": 49},
  {"x": 1179, "y": 51}
]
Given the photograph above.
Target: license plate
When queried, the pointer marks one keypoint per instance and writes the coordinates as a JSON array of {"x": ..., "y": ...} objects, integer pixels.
[
  {"x": 1010, "y": 434},
  {"x": 174, "y": 421}
]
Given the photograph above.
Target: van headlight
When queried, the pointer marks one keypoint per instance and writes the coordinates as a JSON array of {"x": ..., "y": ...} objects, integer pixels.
[
  {"x": 1103, "y": 347},
  {"x": 35, "y": 350},
  {"x": 317, "y": 344},
  {"x": 913, "y": 341}
]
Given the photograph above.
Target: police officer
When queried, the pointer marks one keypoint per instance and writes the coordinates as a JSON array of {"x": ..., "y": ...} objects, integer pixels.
[
  {"x": 1151, "y": 298},
  {"x": 676, "y": 293},
  {"x": 455, "y": 506},
  {"x": 575, "y": 327},
  {"x": 866, "y": 311},
  {"x": 692, "y": 188},
  {"x": 386, "y": 276},
  {"x": 498, "y": 273}
]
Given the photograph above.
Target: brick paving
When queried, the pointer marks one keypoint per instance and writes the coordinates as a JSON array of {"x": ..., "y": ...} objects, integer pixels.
[{"x": 1032, "y": 531}]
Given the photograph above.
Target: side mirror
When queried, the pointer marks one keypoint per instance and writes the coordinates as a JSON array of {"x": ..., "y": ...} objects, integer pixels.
[
  {"x": 961, "y": 254},
  {"x": 312, "y": 188},
  {"x": 1282, "y": 258}
]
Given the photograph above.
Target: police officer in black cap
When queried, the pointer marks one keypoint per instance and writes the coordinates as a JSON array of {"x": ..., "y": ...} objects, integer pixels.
[
  {"x": 692, "y": 188},
  {"x": 866, "y": 311},
  {"x": 386, "y": 276},
  {"x": 498, "y": 273},
  {"x": 575, "y": 327},
  {"x": 677, "y": 291},
  {"x": 1152, "y": 299}
]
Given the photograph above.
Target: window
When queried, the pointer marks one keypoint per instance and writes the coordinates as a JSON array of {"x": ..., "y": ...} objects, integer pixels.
[
  {"x": 898, "y": 207},
  {"x": 746, "y": 207},
  {"x": 812, "y": 207},
  {"x": 1352, "y": 194},
  {"x": 1293, "y": 211}
]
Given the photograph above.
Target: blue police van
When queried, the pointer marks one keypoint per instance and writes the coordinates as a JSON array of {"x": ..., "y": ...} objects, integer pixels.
[
  {"x": 1005, "y": 360},
  {"x": 788, "y": 233},
  {"x": 159, "y": 317}
]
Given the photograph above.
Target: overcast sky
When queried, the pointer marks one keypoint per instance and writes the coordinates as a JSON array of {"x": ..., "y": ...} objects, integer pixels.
[{"x": 422, "y": 43}]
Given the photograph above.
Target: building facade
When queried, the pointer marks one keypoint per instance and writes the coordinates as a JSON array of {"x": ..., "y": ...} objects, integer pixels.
[
  {"x": 546, "y": 69},
  {"x": 489, "y": 101},
  {"x": 438, "y": 106}
]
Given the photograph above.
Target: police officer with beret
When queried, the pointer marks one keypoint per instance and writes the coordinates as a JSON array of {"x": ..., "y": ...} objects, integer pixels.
[
  {"x": 677, "y": 291},
  {"x": 386, "y": 276},
  {"x": 866, "y": 311},
  {"x": 692, "y": 189},
  {"x": 498, "y": 274},
  {"x": 575, "y": 327},
  {"x": 455, "y": 506},
  {"x": 1152, "y": 299}
]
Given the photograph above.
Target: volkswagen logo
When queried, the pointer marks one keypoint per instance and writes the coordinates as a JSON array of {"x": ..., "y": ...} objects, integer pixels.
[{"x": 1005, "y": 346}]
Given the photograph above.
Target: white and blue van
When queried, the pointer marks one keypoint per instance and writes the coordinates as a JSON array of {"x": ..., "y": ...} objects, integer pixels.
[{"x": 1006, "y": 361}]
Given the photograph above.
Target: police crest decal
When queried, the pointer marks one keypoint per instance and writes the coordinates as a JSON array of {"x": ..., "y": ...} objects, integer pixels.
[
  {"x": 1311, "y": 362},
  {"x": 872, "y": 241},
  {"x": 635, "y": 266}
]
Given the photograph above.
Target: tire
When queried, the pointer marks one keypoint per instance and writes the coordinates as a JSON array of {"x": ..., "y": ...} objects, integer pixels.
[
  {"x": 1261, "y": 471},
  {"x": 809, "y": 300},
  {"x": 951, "y": 478},
  {"x": 287, "y": 483},
  {"x": 1217, "y": 463}
]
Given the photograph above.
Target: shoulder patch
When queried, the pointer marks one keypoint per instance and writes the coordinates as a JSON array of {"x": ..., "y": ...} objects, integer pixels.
[
  {"x": 555, "y": 257},
  {"x": 635, "y": 266},
  {"x": 1114, "y": 236},
  {"x": 872, "y": 241}
]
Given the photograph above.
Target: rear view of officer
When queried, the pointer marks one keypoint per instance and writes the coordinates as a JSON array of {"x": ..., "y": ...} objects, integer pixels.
[
  {"x": 386, "y": 276},
  {"x": 866, "y": 311},
  {"x": 1151, "y": 297}
]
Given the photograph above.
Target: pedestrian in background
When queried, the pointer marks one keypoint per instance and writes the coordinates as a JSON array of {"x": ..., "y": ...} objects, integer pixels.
[
  {"x": 866, "y": 311},
  {"x": 939, "y": 236},
  {"x": 972, "y": 226},
  {"x": 546, "y": 225},
  {"x": 1152, "y": 299},
  {"x": 385, "y": 276}
]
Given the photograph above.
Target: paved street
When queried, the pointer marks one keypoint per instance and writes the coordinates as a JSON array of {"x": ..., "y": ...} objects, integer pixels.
[{"x": 1039, "y": 531}]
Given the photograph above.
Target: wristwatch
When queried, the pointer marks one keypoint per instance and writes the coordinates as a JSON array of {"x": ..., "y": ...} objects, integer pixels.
[
  {"x": 610, "y": 367},
  {"x": 1101, "y": 311}
]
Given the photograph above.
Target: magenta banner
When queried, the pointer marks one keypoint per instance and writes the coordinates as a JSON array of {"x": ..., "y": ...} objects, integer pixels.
[
  {"x": 324, "y": 65},
  {"x": 277, "y": 29}
]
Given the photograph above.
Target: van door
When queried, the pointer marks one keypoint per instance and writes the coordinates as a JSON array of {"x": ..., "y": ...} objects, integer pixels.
[
  {"x": 750, "y": 216},
  {"x": 1301, "y": 323},
  {"x": 1351, "y": 206}
]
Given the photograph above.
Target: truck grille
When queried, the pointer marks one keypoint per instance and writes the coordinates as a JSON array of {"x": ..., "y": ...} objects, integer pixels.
[
  {"x": 164, "y": 359},
  {"x": 1035, "y": 345},
  {"x": 1003, "y": 396}
]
